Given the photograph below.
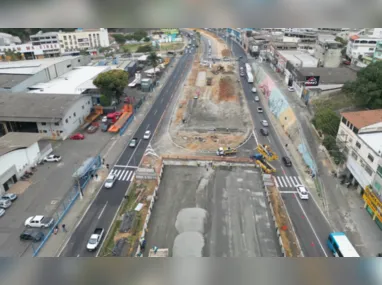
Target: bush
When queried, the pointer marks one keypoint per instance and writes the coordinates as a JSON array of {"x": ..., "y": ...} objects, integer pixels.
[
  {"x": 327, "y": 121},
  {"x": 144, "y": 48},
  {"x": 104, "y": 101},
  {"x": 329, "y": 142}
]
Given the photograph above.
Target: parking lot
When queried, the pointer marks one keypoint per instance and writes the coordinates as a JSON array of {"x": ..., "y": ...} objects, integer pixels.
[
  {"x": 239, "y": 223},
  {"x": 49, "y": 185}
]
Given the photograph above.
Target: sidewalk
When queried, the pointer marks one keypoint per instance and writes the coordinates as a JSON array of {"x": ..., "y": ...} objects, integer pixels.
[
  {"x": 111, "y": 153},
  {"x": 343, "y": 206}
]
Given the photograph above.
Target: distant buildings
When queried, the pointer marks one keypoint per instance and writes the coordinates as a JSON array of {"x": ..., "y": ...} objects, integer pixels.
[
  {"x": 363, "y": 43},
  {"x": 7, "y": 39}
]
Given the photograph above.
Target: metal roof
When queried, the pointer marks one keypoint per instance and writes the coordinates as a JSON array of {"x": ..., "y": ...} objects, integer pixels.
[{"x": 13, "y": 141}]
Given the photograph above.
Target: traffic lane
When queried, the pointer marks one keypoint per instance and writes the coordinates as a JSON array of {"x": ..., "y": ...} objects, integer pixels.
[{"x": 310, "y": 243}]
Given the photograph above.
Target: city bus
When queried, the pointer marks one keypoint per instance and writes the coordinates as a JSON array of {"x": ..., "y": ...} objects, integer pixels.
[{"x": 341, "y": 246}]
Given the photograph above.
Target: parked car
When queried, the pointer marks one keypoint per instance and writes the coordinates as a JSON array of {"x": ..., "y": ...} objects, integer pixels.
[
  {"x": 287, "y": 161},
  {"x": 2, "y": 212},
  {"x": 5, "y": 203},
  {"x": 52, "y": 158},
  {"x": 110, "y": 180},
  {"x": 104, "y": 119},
  {"x": 264, "y": 132},
  {"x": 92, "y": 129},
  {"x": 39, "y": 221},
  {"x": 257, "y": 99},
  {"x": 259, "y": 110},
  {"x": 302, "y": 192},
  {"x": 264, "y": 123},
  {"x": 254, "y": 90},
  {"x": 105, "y": 126},
  {"x": 77, "y": 136},
  {"x": 147, "y": 135},
  {"x": 290, "y": 88},
  {"x": 31, "y": 235},
  {"x": 133, "y": 142},
  {"x": 9, "y": 196}
]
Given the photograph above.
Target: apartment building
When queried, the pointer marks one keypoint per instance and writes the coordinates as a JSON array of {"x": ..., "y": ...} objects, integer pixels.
[
  {"x": 328, "y": 51},
  {"x": 363, "y": 43},
  {"x": 47, "y": 42},
  {"x": 82, "y": 39}
]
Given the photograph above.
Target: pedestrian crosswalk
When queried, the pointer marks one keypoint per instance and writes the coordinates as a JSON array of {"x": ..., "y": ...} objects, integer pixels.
[
  {"x": 287, "y": 181},
  {"x": 123, "y": 174}
]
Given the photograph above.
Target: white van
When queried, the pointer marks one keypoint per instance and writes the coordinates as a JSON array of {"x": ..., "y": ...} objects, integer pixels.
[{"x": 5, "y": 203}]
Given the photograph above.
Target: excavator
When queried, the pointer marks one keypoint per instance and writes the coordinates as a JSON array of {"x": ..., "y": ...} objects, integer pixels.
[
  {"x": 265, "y": 165},
  {"x": 267, "y": 152}
]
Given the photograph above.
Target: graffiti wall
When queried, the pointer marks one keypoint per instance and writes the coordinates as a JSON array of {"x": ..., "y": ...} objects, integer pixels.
[{"x": 280, "y": 108}]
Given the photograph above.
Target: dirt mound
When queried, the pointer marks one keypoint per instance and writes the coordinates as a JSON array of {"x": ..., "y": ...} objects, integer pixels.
[
  {"x": 226, "y": 52},
  {"x": 226, "y": 89}
]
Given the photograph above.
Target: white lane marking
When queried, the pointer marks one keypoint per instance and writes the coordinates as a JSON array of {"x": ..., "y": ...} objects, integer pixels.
[
  {"x": 269, "y": 139},
  {"x": 288, "y": 192},
  {"x": 127, "y": 172},
  {"x": 287, "y": 179},
  {"x": 280, "y": 182},
  {"x": 132, "y": 155},
  {"x": 123, "y": 166},
  {"x": 282, "y": 177},
  {"x": 116, "y": 172},
  {"x": 132, "y": 177},
  {"x": 127, "y": 179},
  {"x": 78, "y": 255},
  {"x": 110, "y": 148},
  {"x": 147, "y": 127},
  {"x": 297, "y": 182},
  {"x": 103, "y": 209},
  {"x": 277, "y": 184},
  {"x": 254, "y": 135},
  {"x": 155, "y": 112},
  {"x": 120, "y": 176},
  {"x": 311, "y": 226},
  {"x": 293, "y": 179}
]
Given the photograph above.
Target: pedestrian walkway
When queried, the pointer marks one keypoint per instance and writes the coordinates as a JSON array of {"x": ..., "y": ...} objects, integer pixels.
[
  {"x": 123, "y": 174},
  {"x": 287, "y": 181}
]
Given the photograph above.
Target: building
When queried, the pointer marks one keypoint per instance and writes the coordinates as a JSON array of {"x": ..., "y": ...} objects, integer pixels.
[
  {"x": 29, "y": 51},
  {"x": 328, "y": 51},
  {"x": 76, "y": 81},
  {"x": 82, "y": 39},
  {"x": 7, "y": 40},
  {"x": 48, "y": 43},
  {"x": 18, "y": 153},
  {"x": 18, "y": 76},
  {"x": 300, "y": 36},
  {"x": 310, "y": 82},
  {"x": 296, "y": 58},
  {"x": 360, "y": 138},
  {"x": 55, "y": 116},
  {"x": 363, "y": 43}
]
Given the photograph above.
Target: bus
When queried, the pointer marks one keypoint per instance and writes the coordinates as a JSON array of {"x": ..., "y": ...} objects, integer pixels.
[
  {"x": 248, "y": 72},
  {"x": 341, "y": 246}
]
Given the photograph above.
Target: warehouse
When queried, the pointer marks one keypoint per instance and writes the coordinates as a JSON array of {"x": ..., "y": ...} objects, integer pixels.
[{"x": 55, "y": 116}]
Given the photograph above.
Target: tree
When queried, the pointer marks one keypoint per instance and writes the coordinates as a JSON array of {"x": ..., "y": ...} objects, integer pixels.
[
  {"x": 147, "y": 39},
  {"x": 112, "y": 83},
  {"x": 327, "y": 121},
  {"x": 105, "y": 101},
  {"x": 129, "y": 37},
  {"x": 153, "y": 59},
  {"x": 366, "y": 90},
  {"x": 139, "y": 35},
  {"x": 330, "y": 144},
  {"x": 125, "y": 49},
  {"x": 119, "y": 38},
  {"x": 144, "y": 48}
]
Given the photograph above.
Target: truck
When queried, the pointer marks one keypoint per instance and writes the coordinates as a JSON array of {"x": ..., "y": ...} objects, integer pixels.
[
  {"x": 223, "y": 151},
  {"x": 267, "y": 152},
  {"x": 95, "y": 239},
  {"x": 160, "y": 252},
  {"x": 261, "y": 162},
  {"x": 39, "y": 221}
]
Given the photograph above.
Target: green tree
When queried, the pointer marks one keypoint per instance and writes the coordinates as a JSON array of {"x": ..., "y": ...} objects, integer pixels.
[
  {"x": 327, "y": 121},
  {"x": 366, "y": 90},
  {"x": 129, "y": 37},
  {"x": 139, "y": 35},
  {"x": 144, "y": 48},
  {"x": 126, "y": 49},
  {"x": 329, "y": 142},
  {"x": 105, "y": 101},
  {"x": 147, "y": 39},
  {"x": 341, "y": 40},
  {"x": 119, "y": 38},
  {"x": 153, "y": 59},
  {"x": 112, "y": 83}
]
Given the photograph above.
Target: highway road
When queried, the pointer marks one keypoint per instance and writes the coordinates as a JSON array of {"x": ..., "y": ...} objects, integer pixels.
[
  {"x": 104, "y": 208},
  {"x": 311, "y": 226}
]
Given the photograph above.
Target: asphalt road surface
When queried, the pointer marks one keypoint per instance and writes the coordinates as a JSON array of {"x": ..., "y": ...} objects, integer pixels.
[
  {"x": 311, "y": 227},
  {"x": 103, "y": 209}
]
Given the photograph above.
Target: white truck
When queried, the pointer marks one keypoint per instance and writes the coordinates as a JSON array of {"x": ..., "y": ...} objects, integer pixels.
[
  {"x": 39, "y": 221},
  {"x": 95, "y": 239}
]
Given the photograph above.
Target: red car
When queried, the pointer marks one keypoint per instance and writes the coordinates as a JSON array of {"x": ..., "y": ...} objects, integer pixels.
[{"x": 77, "y": 136}]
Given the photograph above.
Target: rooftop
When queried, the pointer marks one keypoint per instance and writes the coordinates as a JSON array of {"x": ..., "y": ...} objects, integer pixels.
[
  {"x": 26, "y": 107},
  {"x": 8, "y": 81},
  {"x": 362, "y": 119},
  {"x": 30, "y": 66},
  {"x": 13, "y": 141},
  {"x": 373, "y": 140},
  {"x": 73, "y": 82},
  {"x": 296, "y": 57},
  {"x": 328, "y": 75}
]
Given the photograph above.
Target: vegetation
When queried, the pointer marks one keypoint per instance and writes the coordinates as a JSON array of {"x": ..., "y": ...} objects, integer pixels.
[
  {"x": 330, "y": 144},
  {"x": 112, "y": 83},
  {"x": 105, "y": 101},
  {"x": 153, "y": 59},
  {"x": 145, "y": 48},
  {"x": 119, "y": 38},
  {"x": 366, "y": 90},
  {"x": 326, "y": 121}
]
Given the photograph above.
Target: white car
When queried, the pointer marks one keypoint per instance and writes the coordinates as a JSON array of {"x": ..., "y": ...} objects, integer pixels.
[
  {"x": 39, "y": 221},
  {"x": 259, "y": 110},
  {"x": 104, "y": 119},
  {"x": 110, "y": 180},
  {"x": 254, "y": 90},
  {"x": 264, "y": 123},
  {"x": 302, "y": 192},
  {"x": 9, "y": 196},
  {"x": 52, "y": 158},
  {"x": 257, "y": 99},
  {"x": 290, "y": 89},
  {"x": 147, "y": 135}
]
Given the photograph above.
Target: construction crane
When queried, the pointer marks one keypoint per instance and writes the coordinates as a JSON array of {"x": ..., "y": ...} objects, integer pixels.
[
  {"x": 267, "y": 152},
  {"x": 265, "y": 165}
]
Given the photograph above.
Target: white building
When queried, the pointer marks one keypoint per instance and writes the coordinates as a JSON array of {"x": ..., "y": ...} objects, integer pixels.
[
  {"x": 19, "y": 152},
  {"x": 328, "y": 51},
  {"x": 360, "y": 137},
  {"x": 363, "y": 43},
  {"x": 82, "y": 39},
  {"x": 7, "y": 39},
  {"x": 55, "y": 116},
  {"x": 30, "y": 51}
]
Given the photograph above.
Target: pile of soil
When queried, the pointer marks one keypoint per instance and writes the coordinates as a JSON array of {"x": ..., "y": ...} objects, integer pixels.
[{"x": 226, "y": 89}]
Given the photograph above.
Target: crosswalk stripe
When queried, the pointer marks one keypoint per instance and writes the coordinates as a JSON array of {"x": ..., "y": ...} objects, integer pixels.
[
  {"x": 127, "y": 172},
  {"x": 121, "y": 174},
  {"x": 277, "y": 184},
  {"x": 283, "y": 179},
  {"x": 132, "y": 177},
  {"x": 127, "y": 179},
  {"x": 280, "y": 182},
  {"x": 287, "y": 179},
  {"x": 117, "y": 172},
  {"x": 297, "y": 182}
]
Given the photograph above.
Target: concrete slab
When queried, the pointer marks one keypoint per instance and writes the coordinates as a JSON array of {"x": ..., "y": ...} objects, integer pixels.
[{"x": 239, "y": 223}]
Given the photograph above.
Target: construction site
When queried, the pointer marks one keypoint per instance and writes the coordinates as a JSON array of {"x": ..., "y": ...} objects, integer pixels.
[{"x": 211, "y": 110}]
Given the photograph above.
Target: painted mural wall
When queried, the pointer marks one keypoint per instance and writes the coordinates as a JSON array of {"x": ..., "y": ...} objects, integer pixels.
[{"x": 280, "y": 108}]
